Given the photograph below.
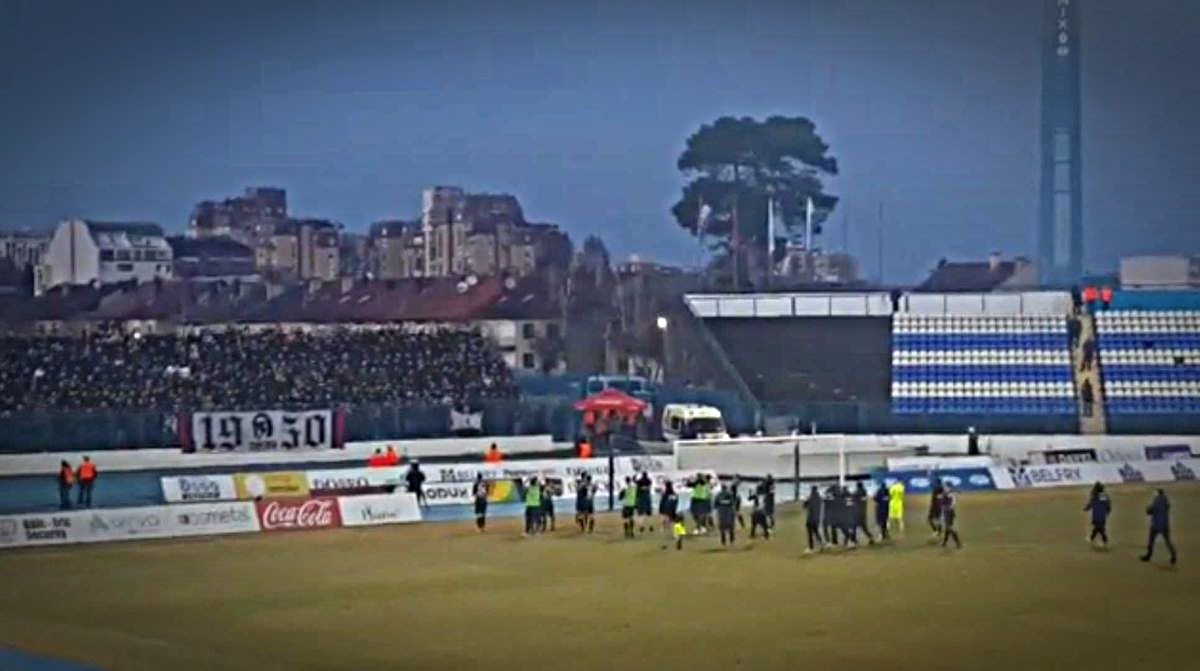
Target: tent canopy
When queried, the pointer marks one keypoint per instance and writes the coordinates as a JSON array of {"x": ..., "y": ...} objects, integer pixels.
[{"x": 611, "y": 400}]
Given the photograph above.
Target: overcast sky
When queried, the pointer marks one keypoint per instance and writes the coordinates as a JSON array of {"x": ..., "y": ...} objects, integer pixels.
[{"x": 139, "y": 109}]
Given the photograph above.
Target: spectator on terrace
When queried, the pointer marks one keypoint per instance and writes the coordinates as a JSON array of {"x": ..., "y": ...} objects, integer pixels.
[
  {"x": 1073, "y": 330},
  {"x": 1088, "y": 396},
  {"x": 1089, "y": 353},
  {"x": 493, "y": 455}
]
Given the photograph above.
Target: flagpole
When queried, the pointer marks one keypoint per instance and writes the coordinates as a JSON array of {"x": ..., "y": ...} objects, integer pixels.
[
  {"x": 770, "y": 240},
  {"x": 808, "y": 226},
  {"x": 736, "y": 245}
]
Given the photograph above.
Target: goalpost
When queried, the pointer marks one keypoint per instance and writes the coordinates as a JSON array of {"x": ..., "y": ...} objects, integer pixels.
[{"x": 792, "y": 459}]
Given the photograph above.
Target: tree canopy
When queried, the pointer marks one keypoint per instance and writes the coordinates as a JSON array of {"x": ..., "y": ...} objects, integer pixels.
[{"x": 741, "y": 163}]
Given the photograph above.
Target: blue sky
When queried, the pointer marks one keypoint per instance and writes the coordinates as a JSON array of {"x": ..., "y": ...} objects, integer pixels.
[{"x": 138, "y": 109}]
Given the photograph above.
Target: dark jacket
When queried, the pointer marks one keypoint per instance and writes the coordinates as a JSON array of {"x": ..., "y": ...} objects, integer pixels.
[
  {"x": 881, "y": 502},
  {"x": 724, "y": 503},
  {"x": 813, "y": 509},
  {"x": 1100, "y": 506},
  {"x": 1160, "y": 513},
  {"x": 415, "y": 478},
  {"x": 668, "y": 504}
]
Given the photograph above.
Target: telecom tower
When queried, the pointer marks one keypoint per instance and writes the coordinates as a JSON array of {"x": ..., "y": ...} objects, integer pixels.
[{"x": 1060, "y": 220}]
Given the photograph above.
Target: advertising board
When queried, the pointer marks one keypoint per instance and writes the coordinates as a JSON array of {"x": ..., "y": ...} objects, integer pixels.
[
  {"x": 298, "y": 514},
  {"x": 204, "y": 519},
  {"x": 192, "y": 488},
  {"x": 378, "y": 509},
  {"x": 961, "y": 479},
  {"x": 270, "y": 485}
]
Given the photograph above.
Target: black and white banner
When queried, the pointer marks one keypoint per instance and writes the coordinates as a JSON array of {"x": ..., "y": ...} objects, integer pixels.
[{"x": 260, "y": 431}]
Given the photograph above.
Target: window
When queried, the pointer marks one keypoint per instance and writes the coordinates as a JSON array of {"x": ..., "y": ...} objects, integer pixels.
[
  {"x": 106, "y": 255},
  {"x": 125, "y": 267},
  {"x": 122, "y": 254},
  {"x": 527, "y": 361},
  {"x": 1062, "y": 146},
  {"x": 528, "y": 331}
]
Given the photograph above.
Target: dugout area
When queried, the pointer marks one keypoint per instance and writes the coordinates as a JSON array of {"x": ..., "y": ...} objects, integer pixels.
[{"x": 1026, "y": 592}]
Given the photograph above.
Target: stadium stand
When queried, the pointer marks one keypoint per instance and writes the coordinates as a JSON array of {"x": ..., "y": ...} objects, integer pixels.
[
  {"x": 968, "y": 365},
  {"x": 238, "y": 370},
  {"x": 1150, "y": 361}
]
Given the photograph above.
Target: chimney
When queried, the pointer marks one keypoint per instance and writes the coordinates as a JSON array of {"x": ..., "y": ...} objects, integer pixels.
[{"x": 994, "y": 261}]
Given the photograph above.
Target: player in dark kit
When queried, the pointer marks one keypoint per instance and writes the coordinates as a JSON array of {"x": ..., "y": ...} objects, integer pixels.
[
  {"x": 860, "y": 512},
  {"x": 829, "y": 516},
  {"x": 737, "y": 501},
  {"x": 1100, "y": 506},
  {"x": 668, "y": 507},
  {"x": 758, "y": 519},
  {"x": 847, "y": 514},
  {"x": 814, "y": 511},
  {"x": 628, "y": 506},
  {"x": 766, "y": 491},
  {"x": 724, "y": 502},
  {"x": 480, "y": 490},
  {"x": 935, "y": 506},
  {"x": 547, "y": 514},
  {"x": 585, "y": 504},
  {"x": 882, "y": 501},
  {"x": 1160, "y": 525},
  {"x": 948, "y": 507},
  {"x": 645, "y": 508}
]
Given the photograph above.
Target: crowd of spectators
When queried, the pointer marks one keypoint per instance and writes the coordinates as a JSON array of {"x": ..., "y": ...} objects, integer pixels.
[{"x": 241, "y": 370}]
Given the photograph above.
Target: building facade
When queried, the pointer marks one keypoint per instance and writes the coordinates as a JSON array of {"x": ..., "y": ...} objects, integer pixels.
[
  {"x": 94, "y": 252},
  {"x": 249, "y": 219},
  {"x": 23, "y": 249},
  {"x": 304, "y": 249}
]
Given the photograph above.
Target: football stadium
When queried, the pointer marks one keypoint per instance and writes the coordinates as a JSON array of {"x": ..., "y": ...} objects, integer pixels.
[{"x": 449, "y": 429}]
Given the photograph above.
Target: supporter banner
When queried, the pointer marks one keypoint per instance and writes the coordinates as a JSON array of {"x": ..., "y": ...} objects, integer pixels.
[
  {"x": 378, "y": 509},
  {"x": 297, "y": 514},
  {"x": 1080, "y": 455},
  {"x": 188, "y": 488},
  {"x": 1159, "y": 452},
  {"x": 261, "y": 431},
  {"x": 961, "y": 479},
  {"x": 203, "y": 519},
  {"x": 269, "y": 485}
]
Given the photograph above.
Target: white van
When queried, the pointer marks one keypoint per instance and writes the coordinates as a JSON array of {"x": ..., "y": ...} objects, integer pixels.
[{"x": 685, "y": 421}]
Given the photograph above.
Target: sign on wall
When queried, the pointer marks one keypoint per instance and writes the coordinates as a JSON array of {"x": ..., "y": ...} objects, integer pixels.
[{"x": 260, "y": 431}]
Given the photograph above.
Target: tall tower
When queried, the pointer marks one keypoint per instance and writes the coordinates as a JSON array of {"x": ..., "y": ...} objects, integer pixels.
[{"x": 1060, "y": 221}]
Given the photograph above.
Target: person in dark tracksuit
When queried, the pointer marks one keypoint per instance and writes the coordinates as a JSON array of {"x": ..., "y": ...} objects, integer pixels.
[
  {"x": 585, "y": 504},
  {"x": 882, "y": 502},
  {"x": 829, "y": 521},
  {"x": 737, "y": 501},
  {"x": 480, "y": 490},
  {"x": 936, "y": 493},
  {"x": 758, "y": 519},
  {"x": 861, "y": 503},
  {"x": 533, "y": 506},
  {"x": 768, "y": 498},
  {"x": 814, "y": 507},
  {"x": 645, "y": 508},
  {"x": 1100, "y": 506},
  {"x": 628, "y": 507},
  {"x": 725, "y": 514},
  {"x": 668, "y": 507},
  {"x": 948, "y": 507},
  {"x": 1159, "y": 511},
  {"x": 547, "y": 513},
  {"x": 847, "y": 513}
]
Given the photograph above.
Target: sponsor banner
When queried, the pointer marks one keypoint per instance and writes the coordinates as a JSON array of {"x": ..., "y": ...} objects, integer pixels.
[
  {"x": 296, "y": 514},
  {"x": 1184, "y": 469},
  {"x": 261, "y": 431},
  {"x": 45, "y": 529},
  {"x": 190, "y": 488},
  {"x": 566, "y": 469},
  {"x": 1082, "y": 455},
  {"x": 202, "y": 519},
  {"x": 1063, "y": 475},
  {"x": 355, "y": 480},
  {"x": 270, "y": 485},
  {"x": 961, "y": 479},
  {"x": 114, "y": 524},
  {"x": 1162, "y": 452},
  {"x": 378, "y": 509}
]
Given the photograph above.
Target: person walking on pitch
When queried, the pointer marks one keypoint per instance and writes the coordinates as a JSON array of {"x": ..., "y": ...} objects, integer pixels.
[
  {"x": 645, "y": 509},
  {"x": 882, "y": 503},
  {"x": 1100, "y": 506},
  {"x": 679, "y": 530},
  {"x": 585, "y": 504},
  {"x": 547, "y": 512},
  {"x": 948, "y": 508},
  {"x": 814, "y": 511},
  {"x": 699, "y": 503},
  {"x": 668, "y": 507},
  {"x": 896, "y": 506},
  {"x": 480, "y": 490},
  {"x": 1159, "y": 511},
  {"x": 829, "y": 516},
  {"x": 724, "y": 503},
  {"x": 628, "y": 507},
  {"x": 758, "y": 519},
  {"x": 861, "y": 503},
  {"x": 767, "y": 493},
  {"x": 737, "y": 501},
  {"x": 935, "y": 506},
  {"x": 847, "y": 513}
]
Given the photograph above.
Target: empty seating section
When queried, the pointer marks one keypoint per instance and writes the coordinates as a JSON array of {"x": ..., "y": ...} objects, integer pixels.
[
  {"x": 943, "y": 364},
  {"x": 1150, "y": 361}
]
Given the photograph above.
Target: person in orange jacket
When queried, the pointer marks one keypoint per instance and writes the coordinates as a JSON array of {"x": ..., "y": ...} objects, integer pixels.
[
  {"x": 66, "y": 480},
  {"x": 1106, "y": 295},
  {"x": 377, "y": 460},
  {"x": 391, "y": 458},
  {"x": 1090, "y": 296},
  {"x": 87, "y": 480},
  {"x": 493, "y": 455},
  {"x": 585, "y": 449}
]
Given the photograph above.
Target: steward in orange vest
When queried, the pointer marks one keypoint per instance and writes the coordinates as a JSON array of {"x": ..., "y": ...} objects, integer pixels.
[
  {"x": 66, "y": 480},
  {"x": 87, "y": 479}
]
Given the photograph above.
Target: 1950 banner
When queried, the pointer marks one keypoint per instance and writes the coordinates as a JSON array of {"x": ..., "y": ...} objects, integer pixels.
[{"x": 261, "y": 431}]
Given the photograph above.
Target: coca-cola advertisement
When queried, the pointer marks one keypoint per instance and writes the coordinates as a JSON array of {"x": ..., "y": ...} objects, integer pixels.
[{"x": 318, "y": 512}]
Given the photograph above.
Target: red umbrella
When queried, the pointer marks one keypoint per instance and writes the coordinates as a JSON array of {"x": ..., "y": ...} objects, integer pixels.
[{"x": 611, "y": 400}]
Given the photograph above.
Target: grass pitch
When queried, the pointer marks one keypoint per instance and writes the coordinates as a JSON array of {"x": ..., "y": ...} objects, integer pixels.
[{"x": 1025, "y": 592}]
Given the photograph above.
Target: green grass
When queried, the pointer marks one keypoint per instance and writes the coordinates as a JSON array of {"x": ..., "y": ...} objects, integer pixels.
[{"x": 1026, "y": 592}]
